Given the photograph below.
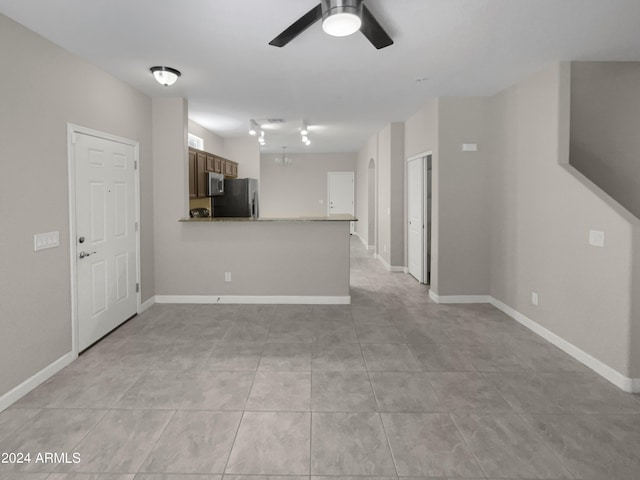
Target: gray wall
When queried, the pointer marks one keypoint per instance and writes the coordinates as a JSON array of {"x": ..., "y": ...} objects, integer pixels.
[
  {"x": 264, "y": 258},
  {"x": 212, "y": 143},
  {"x": 605, "y": 114},
  {"x": 541, "y": 212},
  {"x": 365, "y": 196},
  {"x": 35, "y": 297},
  {"x": 245, "y": 151},
  {"x": 384, "y": 195},
  {"x": 460, "y": 237},
  {"x": 391, "y": 194},
  {"x": 634, "y": 338},
  {"x": 527, "y": 228},
  {"x": 420, "y": 136},
  {"x": 301, "y": 188},
  {"x": 464, "y": 223}
]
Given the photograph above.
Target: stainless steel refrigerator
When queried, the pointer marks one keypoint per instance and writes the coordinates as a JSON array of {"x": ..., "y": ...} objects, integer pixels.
[{"x": 240, "y": 199}]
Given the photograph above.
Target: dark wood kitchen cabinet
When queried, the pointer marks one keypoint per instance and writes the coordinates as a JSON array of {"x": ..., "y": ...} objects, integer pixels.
[
  {"x": 214, "y": 163},
  {"x": 201, "y": 174},
  {"x": 193, "y": 183},
  {"x": 229, "y": 168},
  {"x": 200, "y": 163}
]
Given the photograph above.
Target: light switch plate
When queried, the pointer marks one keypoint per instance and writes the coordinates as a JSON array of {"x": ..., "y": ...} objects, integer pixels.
[
  {"x": 596, "y": 238},
  {"x": 534, "y": 298},
  {"x": 469, "y": 147},
  {"x": 42, "y": 241}
]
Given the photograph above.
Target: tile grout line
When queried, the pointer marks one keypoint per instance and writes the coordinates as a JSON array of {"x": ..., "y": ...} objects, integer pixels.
[
  {"x": 377, "y": 412},
  {"x": 464, "y": 440},
  {"x": 549, "y": 447},
  {"x": 156, "y": 442}
]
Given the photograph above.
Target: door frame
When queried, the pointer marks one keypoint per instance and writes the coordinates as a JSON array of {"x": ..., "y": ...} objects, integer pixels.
[
  {"x": 353, "y": 197},
  {"x": 72, "y": 130},
  {"x": 425, "y": 210}
]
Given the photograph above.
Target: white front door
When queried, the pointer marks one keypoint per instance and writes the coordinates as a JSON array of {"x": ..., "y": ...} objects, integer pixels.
[
  {"x": 415, "y": 214},
  {"x": 105, "y": 231},
  {"x": 341, "y": 195}
]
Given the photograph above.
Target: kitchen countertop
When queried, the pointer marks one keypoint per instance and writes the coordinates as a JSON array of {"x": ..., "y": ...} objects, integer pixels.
[{"x": 328, "y": 218}]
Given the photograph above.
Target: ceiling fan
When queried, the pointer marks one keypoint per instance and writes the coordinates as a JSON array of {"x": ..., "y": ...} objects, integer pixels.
[{"x": 339, "y": 18}]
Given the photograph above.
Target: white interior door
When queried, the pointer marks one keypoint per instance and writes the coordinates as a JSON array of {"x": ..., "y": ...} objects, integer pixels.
[
  {"x": 106, "y": 239},
  {"x": 341, "y": 195},
  {"x": 415, "y": 214}
]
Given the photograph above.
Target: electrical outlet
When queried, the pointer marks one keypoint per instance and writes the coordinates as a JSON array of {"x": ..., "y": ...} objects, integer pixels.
[
  {"x": 534, "y": 298},
  {"x": 227, "y": 277}
]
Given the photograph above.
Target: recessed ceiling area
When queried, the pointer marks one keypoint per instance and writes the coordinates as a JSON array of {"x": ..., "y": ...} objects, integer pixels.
[{"x": 343, "y": 87}]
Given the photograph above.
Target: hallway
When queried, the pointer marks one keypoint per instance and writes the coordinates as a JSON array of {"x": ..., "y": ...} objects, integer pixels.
[{"x": 393, "y": 385}]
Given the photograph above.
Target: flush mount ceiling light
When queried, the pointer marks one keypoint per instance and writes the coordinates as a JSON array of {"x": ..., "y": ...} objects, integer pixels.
[
  {"x": 253, "y": 127},
  {"x": 166, "y": 76},
  {"x": 341, "y": 18}
]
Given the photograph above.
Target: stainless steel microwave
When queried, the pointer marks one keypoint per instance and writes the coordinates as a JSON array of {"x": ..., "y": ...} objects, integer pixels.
[{"x": 215, "y": 182}]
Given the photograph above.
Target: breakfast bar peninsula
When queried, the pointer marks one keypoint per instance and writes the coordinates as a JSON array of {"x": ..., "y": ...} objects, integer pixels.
[{"x": 302, "y": 260}]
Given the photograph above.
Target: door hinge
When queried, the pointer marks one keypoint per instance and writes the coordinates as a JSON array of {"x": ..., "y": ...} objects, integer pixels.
[
  {"x": 136, "y": 226},
  {"x": 137, "y": 287},
  {"x": 135, "y": 164}
]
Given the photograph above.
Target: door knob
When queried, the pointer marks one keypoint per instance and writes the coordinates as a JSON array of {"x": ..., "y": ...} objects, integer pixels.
[{"x": 85, "y": 254}]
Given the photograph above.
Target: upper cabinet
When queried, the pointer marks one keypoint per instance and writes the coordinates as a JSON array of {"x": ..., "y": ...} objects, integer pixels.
[
  {"x": 201, "y": 175},
  {"x": 193, "y": 179},
  {"x": 229, "y": 168},
  {"x": 200, "y": 163}
]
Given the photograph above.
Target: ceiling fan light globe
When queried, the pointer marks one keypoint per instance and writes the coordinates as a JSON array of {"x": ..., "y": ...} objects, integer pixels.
[{"x": 341, "y": 24}]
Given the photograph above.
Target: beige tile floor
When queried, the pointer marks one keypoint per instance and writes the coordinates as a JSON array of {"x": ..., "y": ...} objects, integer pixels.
[{"x": 391, "y": 386}]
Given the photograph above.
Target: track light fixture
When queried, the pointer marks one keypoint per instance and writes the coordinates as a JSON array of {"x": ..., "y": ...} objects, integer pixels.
[
  {"x": 253, "y": 127},
  {"x": 166, "y": 76},
  {"x": 304, "y": 132}
]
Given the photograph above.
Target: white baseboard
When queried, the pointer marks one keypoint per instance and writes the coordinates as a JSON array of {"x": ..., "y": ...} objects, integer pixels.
[
  {"x": 255, "y": 299},
  {"x": 459, "y": 298},
  {"x": 389, "y": 268},
  {"x": 146, "y": 305},
  {"x": 32, "y": 382},
  {"x": 360, "y": 238},
  {"x": 631, "y": 385}
]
